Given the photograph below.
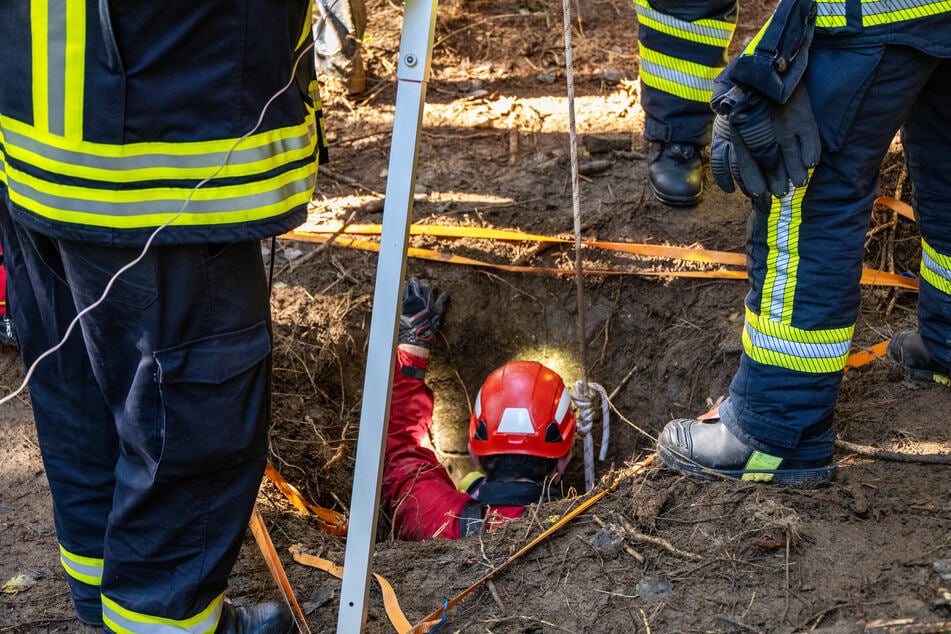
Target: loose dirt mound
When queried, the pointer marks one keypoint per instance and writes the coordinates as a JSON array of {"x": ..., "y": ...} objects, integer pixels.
[{"x": 660, "y": 553}]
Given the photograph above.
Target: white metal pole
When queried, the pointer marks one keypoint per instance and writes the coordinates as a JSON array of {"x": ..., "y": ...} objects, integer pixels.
[{"x": 416, "y": 44}]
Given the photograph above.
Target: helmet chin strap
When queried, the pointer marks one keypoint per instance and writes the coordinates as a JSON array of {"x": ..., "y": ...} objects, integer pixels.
[{"x": 584, "y": 391}]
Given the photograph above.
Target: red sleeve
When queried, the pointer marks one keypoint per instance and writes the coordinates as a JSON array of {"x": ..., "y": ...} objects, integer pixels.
[{"x": 417, "y": 491}]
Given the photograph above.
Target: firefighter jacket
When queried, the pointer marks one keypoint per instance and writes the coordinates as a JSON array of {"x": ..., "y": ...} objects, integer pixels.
[{"x": 117, "y": 117}]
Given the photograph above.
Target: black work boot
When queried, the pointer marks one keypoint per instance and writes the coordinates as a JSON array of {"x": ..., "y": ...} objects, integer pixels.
[
  {"x": 675, "y": 173},
  {"x": 708, "y": 449},
  {"x": 908, "y": 352},
  {"x": 264, "y": 618}
]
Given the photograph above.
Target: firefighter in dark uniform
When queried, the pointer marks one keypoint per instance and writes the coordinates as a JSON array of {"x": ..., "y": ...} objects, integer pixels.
[
  {"x": 116, "y": 119},
  {"x": 682, "y": 47},
  {"x": 806, "y": 115},
  {"x": 520, "y": 437}
]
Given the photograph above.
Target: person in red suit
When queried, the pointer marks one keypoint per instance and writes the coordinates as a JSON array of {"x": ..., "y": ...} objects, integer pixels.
[{"x": 520, "y": 437}]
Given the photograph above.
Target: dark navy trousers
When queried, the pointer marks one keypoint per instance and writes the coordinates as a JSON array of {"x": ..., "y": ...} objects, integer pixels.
[
  {"x": 152, "y": 418},
  {"x": 805, "y": 250}
]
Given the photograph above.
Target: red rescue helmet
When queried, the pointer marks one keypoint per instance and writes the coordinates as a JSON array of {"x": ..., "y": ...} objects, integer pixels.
[{"x": 522, "y": 408}]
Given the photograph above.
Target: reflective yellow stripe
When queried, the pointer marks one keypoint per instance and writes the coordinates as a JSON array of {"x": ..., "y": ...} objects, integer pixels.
[
  {"x": 782, "y": 261},
  {"x": 125, "y": 621},
  {"x": 761, "y": 462},
  {"x": 141, "y": 208},
  {"x": 135, "y": 162},
  {"x": 891, "y": 11},
  {"x": 75, "y": 70},
  {"x": 85, "y": 569},
  {"x": 713, "y": 32},
  {"x": 39, "y": 34},
  {"x": 936, "y": 268},
  {"x": 830, "y": 14},
  {"x": 686, "y": 80},
  {"x": 467, "y": 481},
  {"x": 773, "y": 343},
  {"x": 756, "y": 38}
]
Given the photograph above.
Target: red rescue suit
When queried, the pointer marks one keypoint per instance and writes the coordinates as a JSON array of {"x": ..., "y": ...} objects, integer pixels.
[{"x": 418, "y": 493}]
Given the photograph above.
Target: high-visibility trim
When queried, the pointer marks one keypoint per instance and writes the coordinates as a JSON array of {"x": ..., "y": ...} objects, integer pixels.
[
  {"x": 687, "y": 80},
  {"x": 833, "y": 13},
  {"x": 751, "y": 47},
  {"x": 39, "y": 37},
  {"x": 892, "y": 11},
  {"x": 778, "y": 344},
  {"x": 760, "y": 461},
  {"x": 830, "y": 14},
  {"x": 782, "y": 260},
  {"x": 717, "y": 33},
  {"x": 151, "y": 207},
  {"x": 936, "y": 268},
  {"x": 125, "y": 621},
  {"x": 135, "y": 162},
  {"x": 74, "y": 69},
  {"x": 56, "y": 56},
  {"x": 85, "y": 569}
]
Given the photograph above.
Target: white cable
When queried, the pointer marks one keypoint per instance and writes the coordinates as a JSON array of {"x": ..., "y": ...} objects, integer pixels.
[{"x": 148, "y": 243}]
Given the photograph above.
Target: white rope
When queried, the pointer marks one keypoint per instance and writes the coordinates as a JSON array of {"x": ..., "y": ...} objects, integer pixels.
[
  {"x": 583, "y": 390},
  {"x": 148, "y": 243},
  {"x": 585, "y": 422}
]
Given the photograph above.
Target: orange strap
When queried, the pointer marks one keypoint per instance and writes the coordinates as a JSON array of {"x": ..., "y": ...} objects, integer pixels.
[
  {"x": 897, "y": 206},
  {"x": 331, "y": 521},
  {"x": 390, "y": 603},
  {"x": 274, "y": 565},
  {"x": 858, "y": 359},
  {"x": 321, "y": 234}
]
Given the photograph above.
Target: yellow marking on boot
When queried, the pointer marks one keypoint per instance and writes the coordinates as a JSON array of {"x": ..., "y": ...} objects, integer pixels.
[{"x": 760, "y": 461}]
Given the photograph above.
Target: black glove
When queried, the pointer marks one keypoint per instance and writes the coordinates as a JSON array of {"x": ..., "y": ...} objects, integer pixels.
[
  {"x": 761, "y": 145},
  {"x": 422, "y": 312}
]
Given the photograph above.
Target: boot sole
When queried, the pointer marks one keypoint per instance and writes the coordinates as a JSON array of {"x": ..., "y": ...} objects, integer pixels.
[
  {"x": 786, "y": 477},
  {"x": 676, "y": 201}
]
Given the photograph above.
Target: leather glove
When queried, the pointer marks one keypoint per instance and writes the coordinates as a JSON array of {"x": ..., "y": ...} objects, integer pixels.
[
  {"x": 422, "y": 312},
  {"x": 764, "y": 146}
]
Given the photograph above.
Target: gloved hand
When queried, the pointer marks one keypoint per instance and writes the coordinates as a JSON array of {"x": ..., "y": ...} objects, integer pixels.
[
  {"x": 422, "y": 312},
  {"x": 761, "y": 145}
]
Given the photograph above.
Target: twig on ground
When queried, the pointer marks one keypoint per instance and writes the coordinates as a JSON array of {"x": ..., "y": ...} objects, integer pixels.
[{"x": 894, "y": 456}]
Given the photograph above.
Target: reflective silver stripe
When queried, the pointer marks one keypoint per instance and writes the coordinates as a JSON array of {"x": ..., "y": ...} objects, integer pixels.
[
  {"x": 878, "y": 12},
  {"x": 61, "y": 202},
  {"x": 125, "y": 164},
  {"x": 706, "y": 34},
  {"x": 85, "y": 569},
  {"x": 56, "y": 67},
  {"x": 125, "y": 621},
  {"x": 677, "y": 77},
  {"x": 830, "y": 13},
  {"x": 798, "y": 349},
  {"x": 935, "y": 268}
]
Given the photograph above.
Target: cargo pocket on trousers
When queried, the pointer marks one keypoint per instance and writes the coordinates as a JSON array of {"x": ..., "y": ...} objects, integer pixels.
[{"x": 213, "y": 402}]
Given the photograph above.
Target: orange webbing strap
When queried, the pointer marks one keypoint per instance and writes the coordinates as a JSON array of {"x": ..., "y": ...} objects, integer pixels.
[
  {"x": 902, "y": 209},
  {"x": 858, "y": 359},
  {"x": 274, "y": 565},
  {"x": 452, "y": 231},
  {"x": 430, "y": 621},
  {"x": 331, "y": 521},
  {"x": 325, "y": 234},
  {"x": 390, "y": 603}
]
